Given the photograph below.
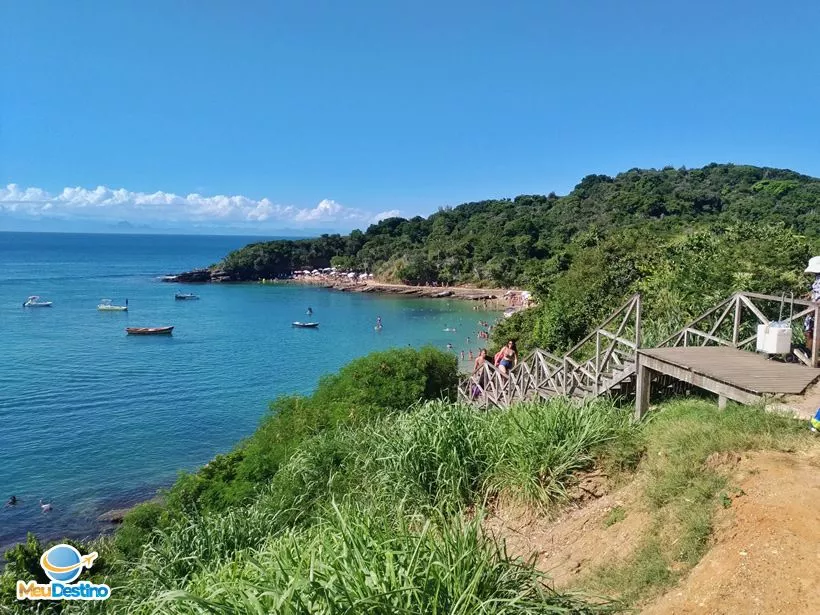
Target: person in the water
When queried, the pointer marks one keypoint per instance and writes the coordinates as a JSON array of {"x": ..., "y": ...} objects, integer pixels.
[{"x": 12, "y": 501}]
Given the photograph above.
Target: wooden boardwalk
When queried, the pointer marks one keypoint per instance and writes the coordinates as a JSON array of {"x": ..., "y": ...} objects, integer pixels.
[
  {"x": 731, "y": 373},
  {"x": 738, "y": 368},
  {"x": 714, "y": 352}
]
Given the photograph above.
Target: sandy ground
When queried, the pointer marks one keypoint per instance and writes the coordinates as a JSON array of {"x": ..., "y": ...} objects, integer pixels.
[
  {"x": 804, "y": 405},
  {"x": 766, "y": 555},
  {"x": 766, "y": 552},
  {"x": 581, "y": 539}
]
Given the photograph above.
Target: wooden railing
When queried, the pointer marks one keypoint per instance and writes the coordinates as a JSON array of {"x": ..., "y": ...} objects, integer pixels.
[
  {"x": 591, "y": 367},
  {"x": 607, "y": 356},
  {"x": 733, "y": 322},
  {"x": 604, "y": 353}
]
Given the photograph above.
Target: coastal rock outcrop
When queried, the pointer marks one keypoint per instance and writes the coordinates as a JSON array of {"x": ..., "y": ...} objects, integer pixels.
[
  {"x": 197, "y": 275},
  {"x": 113, "y": 516},
  {"x": 430, "y": 292}
]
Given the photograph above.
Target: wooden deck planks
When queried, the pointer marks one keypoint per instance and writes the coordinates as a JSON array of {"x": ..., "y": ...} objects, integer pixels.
[{"x": 738, "y": 368}]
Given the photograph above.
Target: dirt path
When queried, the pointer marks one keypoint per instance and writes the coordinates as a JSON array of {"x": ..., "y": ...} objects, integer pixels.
[
  {"x": 804, "y": 405},
  {"x": 766, "y": 556},
  {"x": 607, "y": 527}
]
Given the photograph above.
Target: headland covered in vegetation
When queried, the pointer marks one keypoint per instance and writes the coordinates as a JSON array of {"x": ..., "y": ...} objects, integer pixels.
[
  {"x": 685, "y": 238},
  {"x": 375, "y": 493}
]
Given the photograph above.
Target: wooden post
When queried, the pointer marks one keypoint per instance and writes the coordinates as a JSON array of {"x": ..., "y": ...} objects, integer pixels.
[
  {"x": 721, "y": 402},
  {"x": 597, "y": 363},
  {"x": 637, "y": 324},
  {"x": 816, "y": 336},
  {"x": 642, "y": 386},
  {"x": 736, "y": 329},
  {"x": 566, "y": 375}
]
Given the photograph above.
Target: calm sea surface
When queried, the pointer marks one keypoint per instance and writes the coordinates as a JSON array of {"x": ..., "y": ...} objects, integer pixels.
[{"x": 92, "y": 419}]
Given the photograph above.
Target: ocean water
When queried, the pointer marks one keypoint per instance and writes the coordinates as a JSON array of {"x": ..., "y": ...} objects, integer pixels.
[{"x": 92, "y": 419}]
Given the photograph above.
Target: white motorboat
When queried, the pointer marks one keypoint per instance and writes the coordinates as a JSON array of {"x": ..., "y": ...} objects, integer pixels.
[
  {"x": 34, "y": 301},
  {"x": 107, "y": 306}
]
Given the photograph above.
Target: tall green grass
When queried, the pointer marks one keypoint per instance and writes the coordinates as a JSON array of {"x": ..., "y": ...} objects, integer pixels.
[
  {"x": 354, "y": 562},
  {"x": 398, "y": 542}
]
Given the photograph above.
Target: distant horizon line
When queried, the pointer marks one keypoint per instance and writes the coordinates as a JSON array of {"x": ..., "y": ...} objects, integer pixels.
[{"x": 174, "y": 233}]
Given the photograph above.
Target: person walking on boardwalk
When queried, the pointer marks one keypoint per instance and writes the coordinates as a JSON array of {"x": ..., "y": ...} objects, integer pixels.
[{"x": 814, "y": 297}]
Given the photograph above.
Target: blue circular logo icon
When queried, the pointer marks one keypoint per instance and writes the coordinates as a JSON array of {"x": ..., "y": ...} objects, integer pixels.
[{"x": 62, "y": 563}]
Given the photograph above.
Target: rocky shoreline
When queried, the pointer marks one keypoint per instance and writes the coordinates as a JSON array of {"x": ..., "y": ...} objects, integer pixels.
[{"x": 203, "y": 276}]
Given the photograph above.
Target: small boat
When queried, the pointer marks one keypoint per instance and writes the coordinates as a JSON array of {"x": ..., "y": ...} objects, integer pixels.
[
  {"x": 306, "y": 325},
  {"x": 185, "y": 296},
  {"x": 34, "y": 301},
  {"x": 106, "y": 306},
  {"x": 149, "y": 330}
]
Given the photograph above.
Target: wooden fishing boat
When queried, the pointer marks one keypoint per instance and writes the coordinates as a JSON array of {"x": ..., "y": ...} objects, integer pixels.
[
  {"x": 149, "y": 330},
  {"x": 306, "y": 325}
]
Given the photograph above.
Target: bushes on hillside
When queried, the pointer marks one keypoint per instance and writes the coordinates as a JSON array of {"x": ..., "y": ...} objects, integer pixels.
[
  {"x": 680, "y": 276},
  {"x": 381, "y": 382},
  {"x": 396, "y": 482}
]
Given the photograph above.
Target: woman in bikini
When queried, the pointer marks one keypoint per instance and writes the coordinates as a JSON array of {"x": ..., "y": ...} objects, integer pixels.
[{"x": 509, "y": 359}]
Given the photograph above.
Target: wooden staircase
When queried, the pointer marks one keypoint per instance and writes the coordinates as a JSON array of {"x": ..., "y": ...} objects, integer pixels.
[
  {"x": 603, "y": 362},
  {"x": 709, "y": 353}
]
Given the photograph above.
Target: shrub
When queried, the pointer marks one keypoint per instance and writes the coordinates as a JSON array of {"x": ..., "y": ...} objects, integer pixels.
[{"x": 379, "y": 383}]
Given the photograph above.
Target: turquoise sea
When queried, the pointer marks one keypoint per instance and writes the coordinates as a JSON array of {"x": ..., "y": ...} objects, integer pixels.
[{"x": 92, "y": 419}]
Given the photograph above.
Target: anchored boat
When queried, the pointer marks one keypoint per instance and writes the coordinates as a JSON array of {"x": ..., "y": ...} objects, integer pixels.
[
  {"x": 107, "y": 306},
  {"x": 149, "y": 330},
  {"x": 306, "y": 325},
  {"x": 34, "y": 301},
  {"x": 185, "y": 296}
]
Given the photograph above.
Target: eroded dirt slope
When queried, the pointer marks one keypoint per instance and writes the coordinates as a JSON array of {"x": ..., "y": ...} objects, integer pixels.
[
  {"x": 766, "y": 556},
  {"x": 602, "y": 527}
]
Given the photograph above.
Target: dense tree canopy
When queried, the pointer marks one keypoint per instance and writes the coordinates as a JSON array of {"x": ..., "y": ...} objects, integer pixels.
[
  {"x": 685, "y": 238},
  {"x": 522, "y": 241}
]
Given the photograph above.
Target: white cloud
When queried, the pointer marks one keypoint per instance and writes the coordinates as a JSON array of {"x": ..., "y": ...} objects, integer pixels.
[
  {"x": 383, "y": 215},
  {"x": 107, "y": 204}
]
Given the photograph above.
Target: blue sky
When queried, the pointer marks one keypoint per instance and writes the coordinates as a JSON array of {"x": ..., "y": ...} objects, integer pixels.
[{"x": 320, "y": 114}]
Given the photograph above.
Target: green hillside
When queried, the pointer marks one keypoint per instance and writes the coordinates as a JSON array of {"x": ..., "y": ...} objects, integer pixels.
[
  {"x": 685, "y": 238},
  {"x": 506, "y": 242}
]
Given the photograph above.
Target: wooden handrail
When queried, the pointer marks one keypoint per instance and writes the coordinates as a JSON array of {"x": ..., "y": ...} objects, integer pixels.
[
  {"x": 612, "y": 317},
  {"x": 542, "y": 374}
]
